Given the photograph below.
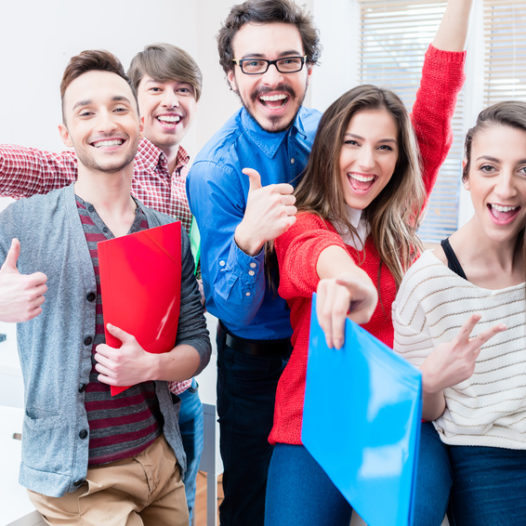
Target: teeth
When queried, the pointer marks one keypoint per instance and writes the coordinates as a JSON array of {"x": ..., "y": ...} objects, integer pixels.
[
  {"x": 500, "y": 208},
  {"x": 169, "y": 118},
  {"x": 362, "y": 178},
  {"x": 112, "y": 142},
  {"x": 273, "y": 98}
]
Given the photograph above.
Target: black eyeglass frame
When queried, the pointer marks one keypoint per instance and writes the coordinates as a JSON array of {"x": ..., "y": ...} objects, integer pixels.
[{"x": 239, "y": 62}]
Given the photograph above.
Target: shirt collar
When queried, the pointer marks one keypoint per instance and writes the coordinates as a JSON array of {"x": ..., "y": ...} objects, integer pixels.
[
  {"x": 358, "y": 221},
  {"x": 268, "y": 142},
  {"x": 156, "y": 157}
]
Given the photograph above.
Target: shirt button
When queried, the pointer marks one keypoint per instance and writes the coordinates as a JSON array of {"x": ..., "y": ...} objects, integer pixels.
[
  {"x": 91, "y": 208},
  {"x": 292, "y": 161},
  {"x": 91, "y": 296},
  {"x": 88, "y": 340},
  {"x": 83, "y": 434},
  {"x": 222, "y": 263},
  {"x": 105, "y": 230},
  {"x": 247, "y": 293},
  {"x": 82, "y": 388},
  {"x": 251, "y": 272},
  {"x": 253, "y": 265}
]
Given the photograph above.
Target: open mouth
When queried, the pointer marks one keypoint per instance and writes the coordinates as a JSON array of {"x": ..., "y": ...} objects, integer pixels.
[
  {"x": 169, "y": 121},
  {"x": 107, "y": 143},
  {"x": 274, "y": 101},
  {"x": 361, "y": 183},
  {"x": 503, "y": 214}
]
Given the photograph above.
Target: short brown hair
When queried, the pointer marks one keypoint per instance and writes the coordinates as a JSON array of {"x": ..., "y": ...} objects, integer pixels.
[
  {"x": 165, "y": 62},
  {"x": 91, "y": 60},
  {"x": 267, "y": 11}
]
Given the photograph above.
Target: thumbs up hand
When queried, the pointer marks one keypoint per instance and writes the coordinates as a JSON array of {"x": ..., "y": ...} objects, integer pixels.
[
  {"x": 270, "y": 211},
  {"x": 21, "y": 295}
]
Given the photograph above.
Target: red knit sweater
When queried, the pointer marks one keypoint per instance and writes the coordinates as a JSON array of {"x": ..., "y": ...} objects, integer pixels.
[{"x": 298, "y": 249}]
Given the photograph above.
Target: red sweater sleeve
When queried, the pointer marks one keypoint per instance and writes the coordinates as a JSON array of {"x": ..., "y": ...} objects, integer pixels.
[
  {"x": 442, "y": 79},
  {"x": 298, "y": 250}
]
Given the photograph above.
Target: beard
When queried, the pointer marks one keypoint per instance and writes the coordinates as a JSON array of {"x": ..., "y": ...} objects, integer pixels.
[{"x": 273, "y": 124}]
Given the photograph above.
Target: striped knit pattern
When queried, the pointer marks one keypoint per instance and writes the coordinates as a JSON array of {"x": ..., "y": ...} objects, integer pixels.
[
  {"x": 488, "y": 409},
  {"x": 124, "y": 425}
]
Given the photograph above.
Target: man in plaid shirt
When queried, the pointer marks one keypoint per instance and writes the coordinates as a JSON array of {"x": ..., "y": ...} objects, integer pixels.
[{"x": 168, "y": 83}]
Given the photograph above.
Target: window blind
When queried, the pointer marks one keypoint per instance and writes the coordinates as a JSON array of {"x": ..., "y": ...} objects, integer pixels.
[
  {"x": 505, "y": 50},
  {"x": 394, "y": 37}
]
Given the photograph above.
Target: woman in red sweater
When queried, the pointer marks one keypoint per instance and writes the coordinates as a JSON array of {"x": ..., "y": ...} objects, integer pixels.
[{"x": 354, "y": 237}]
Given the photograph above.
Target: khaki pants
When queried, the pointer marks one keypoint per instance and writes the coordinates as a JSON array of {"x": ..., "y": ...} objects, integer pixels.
[{"x": 146, "y": 489}]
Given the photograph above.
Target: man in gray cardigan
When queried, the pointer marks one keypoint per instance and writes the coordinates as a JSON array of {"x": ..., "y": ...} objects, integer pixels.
[{"x": 88, "y": 457}]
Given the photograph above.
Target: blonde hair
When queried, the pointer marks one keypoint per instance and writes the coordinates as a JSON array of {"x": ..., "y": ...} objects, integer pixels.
[{"x": 393, "y": 215}]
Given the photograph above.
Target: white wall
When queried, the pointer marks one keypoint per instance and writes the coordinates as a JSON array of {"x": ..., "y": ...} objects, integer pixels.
[{"x": 38, "y": 38}]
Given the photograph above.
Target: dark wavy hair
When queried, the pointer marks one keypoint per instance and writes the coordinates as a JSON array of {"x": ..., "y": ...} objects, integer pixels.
[{"x": 262, "y": 12}]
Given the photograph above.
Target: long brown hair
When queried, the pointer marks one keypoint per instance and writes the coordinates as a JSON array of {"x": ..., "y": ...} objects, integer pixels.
[{"x": 394, "y": 213}]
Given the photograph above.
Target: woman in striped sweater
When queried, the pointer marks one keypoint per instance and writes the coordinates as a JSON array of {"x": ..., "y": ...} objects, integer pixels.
[{"x": 474, "y": 367}]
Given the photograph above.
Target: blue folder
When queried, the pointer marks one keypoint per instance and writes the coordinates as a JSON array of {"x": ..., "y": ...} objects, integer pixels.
[{"x": 361, "y": 422}]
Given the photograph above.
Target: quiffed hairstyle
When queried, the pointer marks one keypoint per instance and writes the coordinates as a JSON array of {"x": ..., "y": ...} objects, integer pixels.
[
  {"x": 394, "y": 213},
  {"x": 262, "y": 12},
  {"x": 163, "y": 62},
  {"x": 90, "y": 60},
  {"x": 508, "y": 113}
]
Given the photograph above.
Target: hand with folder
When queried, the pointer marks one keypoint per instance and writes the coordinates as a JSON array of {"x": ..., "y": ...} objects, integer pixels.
[{"x": 141, "y": 296}]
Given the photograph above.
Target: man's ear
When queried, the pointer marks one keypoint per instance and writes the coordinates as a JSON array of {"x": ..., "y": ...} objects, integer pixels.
[
  {"x": 231, "y": 77},
  {"x": 64, "y": 135}
]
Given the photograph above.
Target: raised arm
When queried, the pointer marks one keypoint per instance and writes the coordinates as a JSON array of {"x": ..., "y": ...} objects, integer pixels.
[
  {"x": 27, "y": 171},
  {"x": 442, "y": 79},
  {"x": 453, "y": 29}
]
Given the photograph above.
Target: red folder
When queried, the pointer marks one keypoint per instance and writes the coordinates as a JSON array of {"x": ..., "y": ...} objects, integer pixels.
[{"x": 140, "y": 279}]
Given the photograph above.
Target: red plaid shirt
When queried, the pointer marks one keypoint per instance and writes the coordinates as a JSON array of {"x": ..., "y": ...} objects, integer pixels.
[{"x": 27, "y": 171}]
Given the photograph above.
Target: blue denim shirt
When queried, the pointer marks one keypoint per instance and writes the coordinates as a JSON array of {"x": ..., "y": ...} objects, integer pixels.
[
  {"x": 55, "y": 347},
  {"x": 234, "y": 282}
]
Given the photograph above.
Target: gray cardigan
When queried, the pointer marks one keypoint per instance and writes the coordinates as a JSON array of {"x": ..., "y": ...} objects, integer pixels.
[{"x": 55, "y": 347}]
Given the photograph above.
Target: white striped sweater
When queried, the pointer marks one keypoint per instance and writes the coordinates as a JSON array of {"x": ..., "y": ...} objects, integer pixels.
[{"x": 488, "y": 409}]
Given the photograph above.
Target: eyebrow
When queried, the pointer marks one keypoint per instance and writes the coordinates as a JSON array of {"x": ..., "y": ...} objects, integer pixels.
[
  {"x": 288, "y": 53},
  {"x": 87, "y": 102},
  {"x": 360, "y": 137},
  {"x": 495, "y": 160}
]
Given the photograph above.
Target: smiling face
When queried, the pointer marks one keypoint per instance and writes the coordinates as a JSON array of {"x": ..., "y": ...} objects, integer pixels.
[
  {"x": 368, "y": 156},
  {"x": 497, "y": 181},
  {"x": 101, "y": 121},
  {"x": 272, "y": 98},
  {"x": 166, "y": 109}
]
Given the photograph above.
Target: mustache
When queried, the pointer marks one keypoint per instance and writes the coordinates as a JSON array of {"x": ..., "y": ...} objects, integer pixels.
[{"x": 266, "y": 89}]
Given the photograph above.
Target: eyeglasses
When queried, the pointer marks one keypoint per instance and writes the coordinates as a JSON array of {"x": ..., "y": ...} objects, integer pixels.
[{"x": 258, "y": 66}]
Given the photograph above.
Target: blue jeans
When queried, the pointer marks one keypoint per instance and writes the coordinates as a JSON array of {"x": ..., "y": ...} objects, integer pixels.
[
  {"x": 299, "y": 492},
  {"x": 489, "y": 486},
  {"x": 191, "y": 426},
  {"x": 434, "y": 479},
  {"x": 246, "y": 390}
]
